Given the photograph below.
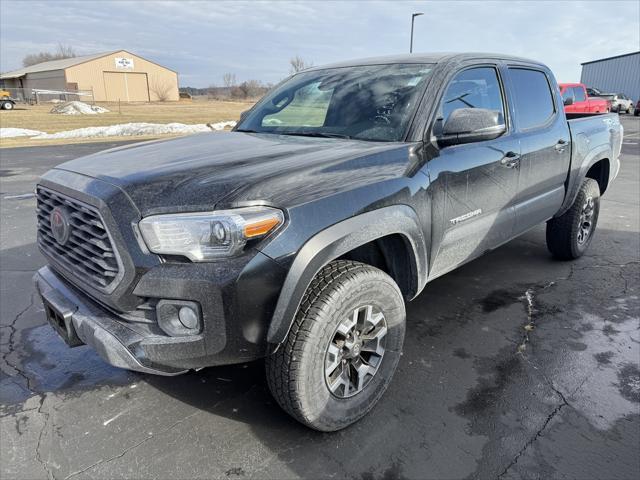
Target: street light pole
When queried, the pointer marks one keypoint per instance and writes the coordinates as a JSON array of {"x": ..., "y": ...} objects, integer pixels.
[{"x": 413, "y": 17}]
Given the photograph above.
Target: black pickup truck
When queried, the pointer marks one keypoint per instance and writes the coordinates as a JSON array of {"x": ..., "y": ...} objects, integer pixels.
[{"x": 299, "y": 236}]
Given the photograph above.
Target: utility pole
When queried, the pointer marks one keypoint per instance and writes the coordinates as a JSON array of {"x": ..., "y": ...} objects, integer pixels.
[{"x": 413, "y": 17}]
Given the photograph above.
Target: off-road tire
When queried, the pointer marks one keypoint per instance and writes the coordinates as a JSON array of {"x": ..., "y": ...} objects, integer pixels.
[
  {"x": 296, "y": 371},
  {"x": 7, "y": 106},
  {"x": 563, "y": 231}
]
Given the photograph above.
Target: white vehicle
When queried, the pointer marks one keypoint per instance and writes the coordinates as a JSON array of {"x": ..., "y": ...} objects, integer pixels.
[{"x": 621, "y": 103}]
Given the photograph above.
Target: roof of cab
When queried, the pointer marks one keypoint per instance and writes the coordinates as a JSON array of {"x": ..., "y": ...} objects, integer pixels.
[{"x": 438, "y": 57}]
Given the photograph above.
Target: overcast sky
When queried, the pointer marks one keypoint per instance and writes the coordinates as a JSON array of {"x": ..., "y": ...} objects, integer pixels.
[{"x": 204, "y": 39}]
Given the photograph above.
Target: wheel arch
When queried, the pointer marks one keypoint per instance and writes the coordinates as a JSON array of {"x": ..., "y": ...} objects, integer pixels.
[
  {"x": 596, "y": 163},
  {"x": 387, "y": 231},
  {"x": 599, "y": 171}
]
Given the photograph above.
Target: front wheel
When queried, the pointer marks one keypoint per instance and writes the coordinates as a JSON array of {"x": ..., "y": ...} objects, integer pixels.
[
  {"x": 7, "y": 106},
  {"x": 569, "y": 235},
  {"x": 343, "y": 347}
]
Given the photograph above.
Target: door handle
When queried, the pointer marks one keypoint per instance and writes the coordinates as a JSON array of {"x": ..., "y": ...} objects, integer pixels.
[
  {"x": 561, "y": 145},
  {"x": 510, "y": 160}
]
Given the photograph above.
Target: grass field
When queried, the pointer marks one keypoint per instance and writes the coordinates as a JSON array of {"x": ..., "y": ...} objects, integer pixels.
[{"x": 37, "y": 117}]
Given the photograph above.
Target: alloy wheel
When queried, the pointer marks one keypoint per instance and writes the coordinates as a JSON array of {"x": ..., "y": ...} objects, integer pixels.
[
  {"x": 355, "y": 351},
  {"x": 586, "y": 220}
]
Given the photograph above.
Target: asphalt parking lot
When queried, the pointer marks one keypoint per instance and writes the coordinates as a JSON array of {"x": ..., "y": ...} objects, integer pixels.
[{"x": 515, "y": 366}]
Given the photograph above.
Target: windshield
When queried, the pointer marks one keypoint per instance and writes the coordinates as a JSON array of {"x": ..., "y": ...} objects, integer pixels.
[{"x": 373, "y": 102}]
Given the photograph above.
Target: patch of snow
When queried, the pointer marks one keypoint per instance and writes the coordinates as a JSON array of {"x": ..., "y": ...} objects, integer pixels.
[
  {"x": 77, "y": 108},
  {"x": 10, "y": 132},
  {"x": 136, "y": 129},
  {"x": 121, "y": 130}
]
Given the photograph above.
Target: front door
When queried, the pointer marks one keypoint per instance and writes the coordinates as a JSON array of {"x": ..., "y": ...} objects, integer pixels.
[{"x": 474, "y": 184}]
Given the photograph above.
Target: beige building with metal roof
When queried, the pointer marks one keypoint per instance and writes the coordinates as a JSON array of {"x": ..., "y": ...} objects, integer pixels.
[{"x": 111, "y": 77}]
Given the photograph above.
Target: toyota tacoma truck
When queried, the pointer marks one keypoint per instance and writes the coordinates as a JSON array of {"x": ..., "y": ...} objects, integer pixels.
[{"x": 299, "y": 236}]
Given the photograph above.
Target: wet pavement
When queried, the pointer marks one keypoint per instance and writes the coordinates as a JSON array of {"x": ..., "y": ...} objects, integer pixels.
[{"x": 515, "y": 366}]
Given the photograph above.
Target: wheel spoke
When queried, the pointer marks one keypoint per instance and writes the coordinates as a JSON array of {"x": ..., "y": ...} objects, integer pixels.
[
  {"x": 334, "y": 358},
  {"x": 341, "y": 380},
  {"x": 363, "y": 370},
  {"x": 345, "y": 327}
]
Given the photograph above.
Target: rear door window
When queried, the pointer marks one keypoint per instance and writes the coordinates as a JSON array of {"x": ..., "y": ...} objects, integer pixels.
[{"x": 533, "y": 100}]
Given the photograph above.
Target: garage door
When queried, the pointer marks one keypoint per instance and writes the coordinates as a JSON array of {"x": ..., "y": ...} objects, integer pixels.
[{"x": 126, "y": 86}]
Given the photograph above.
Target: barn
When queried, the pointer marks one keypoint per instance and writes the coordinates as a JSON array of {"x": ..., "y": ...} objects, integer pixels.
[
  {"x": 619, "y": 74},
  {"x": 108, "y": 77}
]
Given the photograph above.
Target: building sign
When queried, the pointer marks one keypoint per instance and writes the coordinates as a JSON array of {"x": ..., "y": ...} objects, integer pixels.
[{"x": 125, "y": 63}]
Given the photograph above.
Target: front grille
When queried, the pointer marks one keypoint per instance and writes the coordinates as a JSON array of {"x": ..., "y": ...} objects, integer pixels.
[{"x": 87, "y": 253}]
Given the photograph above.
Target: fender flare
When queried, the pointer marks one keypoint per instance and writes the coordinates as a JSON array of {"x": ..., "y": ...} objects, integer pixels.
[
  {"x": 337, "y": 240},
  {"x": 578, "y": 174}
]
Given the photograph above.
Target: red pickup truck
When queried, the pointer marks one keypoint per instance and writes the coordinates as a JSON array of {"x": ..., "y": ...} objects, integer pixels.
[{"x": 576, "y": 100}]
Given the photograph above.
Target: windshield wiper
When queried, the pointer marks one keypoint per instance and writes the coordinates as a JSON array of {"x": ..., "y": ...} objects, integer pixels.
[
  {"x": 317, "y": 134},
  {"x": 246, "y": 130}
]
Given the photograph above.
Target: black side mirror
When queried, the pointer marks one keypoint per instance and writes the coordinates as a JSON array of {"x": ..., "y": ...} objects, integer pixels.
[
  {"x": 568, "y": 101},
  {"x": 466, "y": 125}
]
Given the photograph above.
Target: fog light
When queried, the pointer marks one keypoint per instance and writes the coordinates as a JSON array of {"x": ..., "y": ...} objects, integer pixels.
[
  {"x": 178, "y": 318},
  {"x": 188, "y": 317}
]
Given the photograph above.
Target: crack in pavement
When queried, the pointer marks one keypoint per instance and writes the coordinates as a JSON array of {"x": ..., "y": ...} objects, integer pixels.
[
  {"x": 550, "y": 417},
  {"x": 133, "y": 447},
  {"x": 530, "y": 305},
  {"x": 47, "y": 415},
  {"x": 529, "y": 296},
  {"x": 10, "y": 342},
  {"x": 538, "y": 433}
]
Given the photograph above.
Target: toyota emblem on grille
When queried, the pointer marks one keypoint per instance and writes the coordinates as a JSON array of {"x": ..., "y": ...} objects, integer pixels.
[{"x": 60, "y": 226}]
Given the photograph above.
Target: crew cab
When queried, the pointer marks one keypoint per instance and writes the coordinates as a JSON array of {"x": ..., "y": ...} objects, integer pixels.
[
  {"x": 576, "y": 100},
  {"x": 299, "y": 236}
]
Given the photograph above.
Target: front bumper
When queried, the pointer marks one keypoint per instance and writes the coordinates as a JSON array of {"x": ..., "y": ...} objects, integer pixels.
[
  {"x": 237, "y": 299},
  {"x": 93, "y": 325}
]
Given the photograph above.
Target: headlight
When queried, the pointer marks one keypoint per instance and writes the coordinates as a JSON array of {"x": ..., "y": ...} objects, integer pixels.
[{"x": 208, "y": 235}]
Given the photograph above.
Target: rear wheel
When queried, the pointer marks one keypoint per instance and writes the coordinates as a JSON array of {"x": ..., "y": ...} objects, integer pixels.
[
  {"x": 569, "y": 235},
  {"x": 343, "y": 347}
]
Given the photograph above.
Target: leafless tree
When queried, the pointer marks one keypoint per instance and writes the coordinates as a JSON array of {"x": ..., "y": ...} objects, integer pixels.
[
  {"x": 161, "y": 89},
  {"x": 63, "y": 51},
  {"x": 248, "y": 89},
  {"x": 297, "y": 64},
  {"x": 229, "y": 80}
]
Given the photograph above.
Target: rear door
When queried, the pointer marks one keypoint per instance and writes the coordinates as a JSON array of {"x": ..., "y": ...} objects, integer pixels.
[
  {"x": 474, "y": 185},
  {"x": 545, "y": 147}
]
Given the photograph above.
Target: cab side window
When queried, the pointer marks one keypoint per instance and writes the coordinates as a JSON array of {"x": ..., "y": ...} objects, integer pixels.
[
  {"x": 473, "y": 88},
  {"x": 579, "y": 94}
]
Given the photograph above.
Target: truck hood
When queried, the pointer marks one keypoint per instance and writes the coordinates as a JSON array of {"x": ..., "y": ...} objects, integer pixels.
[{"x": 202, "y": 171}]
